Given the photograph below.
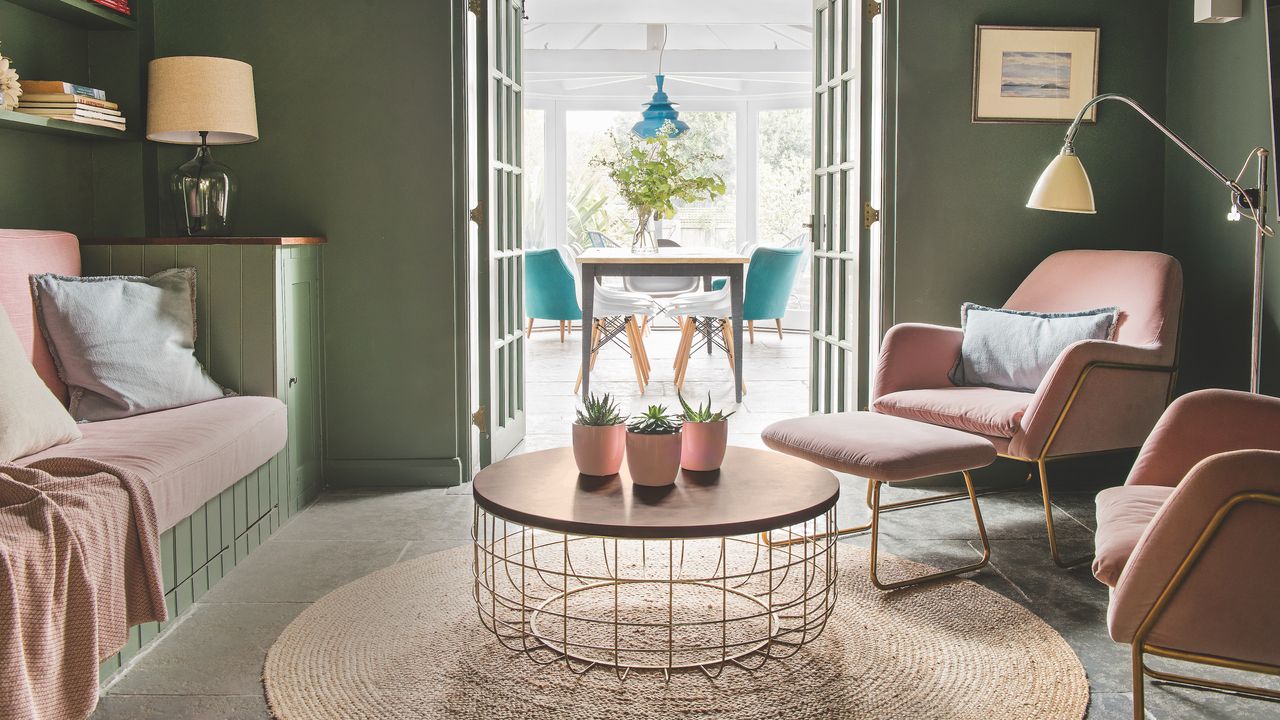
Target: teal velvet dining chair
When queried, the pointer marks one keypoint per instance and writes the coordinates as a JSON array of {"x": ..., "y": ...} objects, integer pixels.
[
  {"x": 770, "y": 277},
  {"x": 549, "y": 292}
]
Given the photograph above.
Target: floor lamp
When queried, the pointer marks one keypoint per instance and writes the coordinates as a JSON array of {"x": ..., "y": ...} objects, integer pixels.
[{"x": 1064, "y": 187}]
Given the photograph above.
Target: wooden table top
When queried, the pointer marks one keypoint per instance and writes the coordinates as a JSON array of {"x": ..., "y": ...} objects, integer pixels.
[
  {"x": 665, "y": 256},
  {"x": 754, "y": 491}
]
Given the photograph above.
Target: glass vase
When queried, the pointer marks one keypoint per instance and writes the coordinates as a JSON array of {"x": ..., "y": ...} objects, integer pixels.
[
  {"x": 643, "y": 243},
  {"x": 203, "y": 192}
]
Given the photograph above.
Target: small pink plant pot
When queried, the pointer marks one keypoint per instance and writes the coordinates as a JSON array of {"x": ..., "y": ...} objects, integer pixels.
[
  {"x": 653, "y": 460},
  {"x": 598, "y": 448},
  {"x": 704, "y": 445}
]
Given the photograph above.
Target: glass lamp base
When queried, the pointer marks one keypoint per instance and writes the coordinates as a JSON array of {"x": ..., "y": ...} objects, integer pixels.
[{"x": 203, "y": 194}]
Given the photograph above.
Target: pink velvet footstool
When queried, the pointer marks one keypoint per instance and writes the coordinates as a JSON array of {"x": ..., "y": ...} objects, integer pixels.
[{"x": 886, "y": 449}]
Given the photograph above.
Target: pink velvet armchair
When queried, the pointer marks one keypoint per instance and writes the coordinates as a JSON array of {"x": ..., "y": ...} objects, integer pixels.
[
  {"x": 1099, "y": 396},
  {"x": 1190, "y": 544}
]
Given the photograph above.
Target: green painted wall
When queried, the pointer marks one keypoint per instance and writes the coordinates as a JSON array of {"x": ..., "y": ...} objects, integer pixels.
[
  {"x": 355, "y": 114},
  {"x": 963, "y": 232},
  {"x": 1217, "y": 100}
]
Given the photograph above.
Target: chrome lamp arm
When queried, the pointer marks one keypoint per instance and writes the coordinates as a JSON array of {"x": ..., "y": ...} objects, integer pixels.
[{"x": 1250, "y": 200}]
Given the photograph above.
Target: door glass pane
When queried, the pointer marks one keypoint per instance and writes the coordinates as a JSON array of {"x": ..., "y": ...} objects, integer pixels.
[
  {"x": 535, "y": 226},
  {"x": 783, "y": 202}
]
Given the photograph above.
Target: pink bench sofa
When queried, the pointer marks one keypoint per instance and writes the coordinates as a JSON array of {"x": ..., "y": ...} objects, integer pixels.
[{"x": 187, "y": 456}]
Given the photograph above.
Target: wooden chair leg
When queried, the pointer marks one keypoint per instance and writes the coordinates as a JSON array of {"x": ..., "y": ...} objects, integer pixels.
[
  {"x": 635, "y": 354},
  {"x": 561, "y": 331},
  {"x": 639, "y": 350},
  {"x": 751, "y": 331},
  {"x": 725, "y": 330},
  {"x": 779, "y": 322},
  {"x": 529, "y": 332},
  {"x": 684, "y": 351}
]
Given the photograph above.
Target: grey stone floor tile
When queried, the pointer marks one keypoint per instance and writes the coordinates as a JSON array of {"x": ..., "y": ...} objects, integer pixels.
[
  {"x": 394, "y": 515},
  {"x": 418, "y": 549},
  {"x": 285, "y": 571},
  {"x": 182, "y": 707},
  {"x": 217, "y": 650}
]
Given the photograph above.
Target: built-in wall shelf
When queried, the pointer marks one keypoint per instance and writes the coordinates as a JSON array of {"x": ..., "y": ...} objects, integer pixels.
[
  {"x": 81, "y": 13},
  {"x": 206, "y": 240},
  {"x": 12, "y": 120}
]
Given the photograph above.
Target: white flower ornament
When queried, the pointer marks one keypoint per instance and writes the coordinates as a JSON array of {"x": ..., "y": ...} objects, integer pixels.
[{"x": 10, "y": 90}]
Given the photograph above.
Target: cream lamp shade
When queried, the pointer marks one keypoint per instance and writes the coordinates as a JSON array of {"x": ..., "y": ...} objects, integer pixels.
[
  {"x": 189, "y": 95},
  {"x": 1063, "y": 187}
]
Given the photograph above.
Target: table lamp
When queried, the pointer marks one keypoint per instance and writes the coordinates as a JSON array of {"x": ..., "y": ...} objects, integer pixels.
[
  {"x": 201, "y": 101},
  {"x": 1064, "y": 187}
]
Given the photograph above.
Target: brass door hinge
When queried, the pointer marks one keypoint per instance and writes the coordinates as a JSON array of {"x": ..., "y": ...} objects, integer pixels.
[
  {"x": 870, "y": 215},
  {"x": 476, "y": 6},
  {"x": 480, "y": 418},
  {"x": 873, "y": 9},
  {"x": 477, "y": 214}
]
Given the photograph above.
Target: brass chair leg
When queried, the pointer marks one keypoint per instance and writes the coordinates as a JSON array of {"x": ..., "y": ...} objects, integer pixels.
[
  {"x": 1048, "y": 521},
  {"x": 875, "y": 542}
]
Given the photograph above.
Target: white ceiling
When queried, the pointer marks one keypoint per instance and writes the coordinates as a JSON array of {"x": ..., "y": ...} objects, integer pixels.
[{"x": 714, "y": 48}]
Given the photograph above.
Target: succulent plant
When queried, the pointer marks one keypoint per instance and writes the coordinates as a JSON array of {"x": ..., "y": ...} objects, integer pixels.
[
  {"x": 654, "y": 421},
  {"x": 703, "y": 413},
  {"x": 599, "y": 411}
]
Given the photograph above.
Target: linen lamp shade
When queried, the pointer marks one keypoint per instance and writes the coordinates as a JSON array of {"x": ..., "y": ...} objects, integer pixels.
[
  {"x": 1063, "y": 187},
  {"x": 188, "y": 95}
]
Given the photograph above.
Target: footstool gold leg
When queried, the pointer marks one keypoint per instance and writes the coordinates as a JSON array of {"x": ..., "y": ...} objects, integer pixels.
[{"x": 875, "y": 540}]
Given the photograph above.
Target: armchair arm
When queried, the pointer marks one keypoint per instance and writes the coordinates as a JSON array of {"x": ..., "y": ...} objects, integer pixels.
[
  {"x": 915, "y": 356},
  {"x": 1114, "y": 392},
  {"x": 1203, "y": 577},
  {"x": 1201, "y": 424}
]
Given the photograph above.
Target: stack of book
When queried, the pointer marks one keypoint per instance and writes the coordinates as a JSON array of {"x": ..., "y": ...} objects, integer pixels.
[
  {"x": 72, "y": 103},
  {"x": 120, "y": 6}
]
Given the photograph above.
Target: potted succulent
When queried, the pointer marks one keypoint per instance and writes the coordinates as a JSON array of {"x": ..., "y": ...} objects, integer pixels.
[
  {"x": 653, "y": 447},
  {"x": 705, "y": 435},
  {"x": 599, "y": 436}
]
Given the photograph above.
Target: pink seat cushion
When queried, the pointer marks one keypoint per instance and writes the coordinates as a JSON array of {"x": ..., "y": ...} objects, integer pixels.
[
  {"x": 885, "y": 448},
  {"x": 982, "y": 410},
  {"x": 24, "y": 253},
  {"x": 1123, "y": 515},
  {"x": 186, "y": 455}
]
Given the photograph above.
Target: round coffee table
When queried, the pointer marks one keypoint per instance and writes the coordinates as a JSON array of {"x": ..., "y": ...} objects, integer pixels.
[{"x": 596, "y": 571}]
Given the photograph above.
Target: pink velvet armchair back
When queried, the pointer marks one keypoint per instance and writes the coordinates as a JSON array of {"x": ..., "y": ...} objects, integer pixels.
[
  {"x": 1124, "y": 385},
  {"x": 24, "y": 253}
]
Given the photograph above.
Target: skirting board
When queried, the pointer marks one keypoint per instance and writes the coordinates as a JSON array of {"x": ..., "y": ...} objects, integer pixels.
[{"x": 393, "y": 472}]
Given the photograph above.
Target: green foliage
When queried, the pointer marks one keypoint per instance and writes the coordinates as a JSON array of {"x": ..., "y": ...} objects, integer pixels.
[
  {"x": 599, "y": 411},
  {"x": 652, "y": 174},
  {"x": 654, "y": 421},
  {"x": 703, "y": 413},
  {"x": 587, "y": 211}
]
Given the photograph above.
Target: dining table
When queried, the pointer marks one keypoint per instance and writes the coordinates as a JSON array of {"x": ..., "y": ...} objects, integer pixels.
[{"x": 595, "y": 263}]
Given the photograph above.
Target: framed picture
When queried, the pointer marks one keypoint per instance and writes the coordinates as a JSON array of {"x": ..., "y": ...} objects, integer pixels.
[{"x": 1034, "y": 74}]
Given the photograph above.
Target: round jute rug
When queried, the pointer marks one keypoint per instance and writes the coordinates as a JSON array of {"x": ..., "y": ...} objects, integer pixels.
[{"x": 406, "y": 642}]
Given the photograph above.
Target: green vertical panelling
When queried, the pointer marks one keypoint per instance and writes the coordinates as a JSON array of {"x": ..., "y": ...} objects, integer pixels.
[
  {"x": 95, "y": 260},
  {"x": 258, "y": 335},
  {"x": 108, "y": 666},
  {"x": 126, "y": 260},
  {"x": 199, "y": 552},
  {"x": 182, "y": 549},
  {"x": 225, "y": 323},
  {"x": 197, "y": 256},
  {"x": 228, "y": 509},
  {"x": 158, "y": 257},
  {"x": 167, "y": 568}
]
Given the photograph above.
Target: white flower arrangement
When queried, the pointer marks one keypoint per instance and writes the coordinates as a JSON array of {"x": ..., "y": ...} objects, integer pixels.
[{"x": 10, "y": 90}]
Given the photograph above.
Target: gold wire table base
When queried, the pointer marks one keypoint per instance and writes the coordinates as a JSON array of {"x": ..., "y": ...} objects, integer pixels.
[{"x": 653, "y": 604}]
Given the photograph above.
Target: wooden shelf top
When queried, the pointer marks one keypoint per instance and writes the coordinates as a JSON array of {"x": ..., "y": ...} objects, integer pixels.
[
  {"x": 205, "y": 240},
  {"x": 13, "y": 120},
  {"x": 81, "y": 13}
]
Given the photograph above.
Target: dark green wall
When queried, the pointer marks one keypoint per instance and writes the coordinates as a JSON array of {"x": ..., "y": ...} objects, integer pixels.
[
  {"x": 355, "y": 115},
  {"x": 962, "y": 231},
  {"x": 1218, "y": 101}
]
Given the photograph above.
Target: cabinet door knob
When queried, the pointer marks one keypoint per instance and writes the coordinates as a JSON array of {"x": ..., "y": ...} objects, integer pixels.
[{"x": 293, "y": 381}]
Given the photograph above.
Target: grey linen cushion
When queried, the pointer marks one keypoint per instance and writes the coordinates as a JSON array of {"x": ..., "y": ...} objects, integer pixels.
[
  {"x": 1014, "y": 349},
  {"x": 31, "y": 417},
  {"x": 124, "y": 345}
]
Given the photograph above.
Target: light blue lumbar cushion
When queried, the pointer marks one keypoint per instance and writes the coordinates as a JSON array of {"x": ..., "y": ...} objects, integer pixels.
[
  {"x": 124, "y": 345},
  {"x": 1014, "y": 349}
]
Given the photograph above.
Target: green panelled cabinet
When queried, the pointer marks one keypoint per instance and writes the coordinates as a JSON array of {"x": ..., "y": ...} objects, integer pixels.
[{"x": 259, "y": 331}]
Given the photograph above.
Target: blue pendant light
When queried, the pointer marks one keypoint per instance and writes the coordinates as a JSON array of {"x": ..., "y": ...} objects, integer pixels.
[{"x": 660, "y": 110}]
